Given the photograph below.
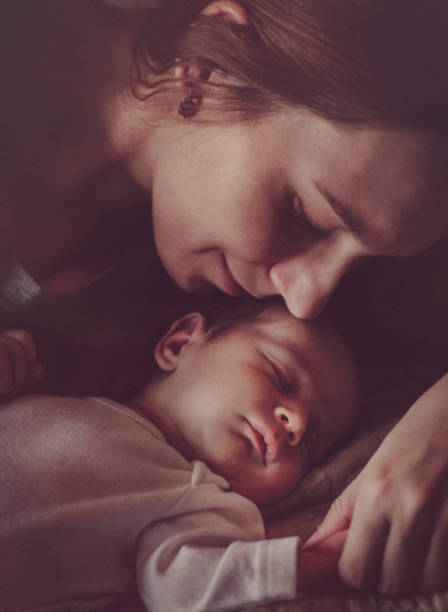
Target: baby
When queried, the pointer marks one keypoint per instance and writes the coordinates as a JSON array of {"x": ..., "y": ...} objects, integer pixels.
[{"x": 92, "y": 490}]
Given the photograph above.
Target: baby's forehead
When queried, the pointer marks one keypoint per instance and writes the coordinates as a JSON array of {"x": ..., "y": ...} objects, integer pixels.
[
  {"x": 283, "y": 326},
  {"x": 279, "y": 327}
]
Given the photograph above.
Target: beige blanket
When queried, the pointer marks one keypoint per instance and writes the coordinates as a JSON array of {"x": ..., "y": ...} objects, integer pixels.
[{"x": 302, "y": 511}]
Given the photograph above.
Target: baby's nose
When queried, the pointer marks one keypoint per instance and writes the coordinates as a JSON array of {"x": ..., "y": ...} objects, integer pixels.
[{"x": 294, "y": 422}]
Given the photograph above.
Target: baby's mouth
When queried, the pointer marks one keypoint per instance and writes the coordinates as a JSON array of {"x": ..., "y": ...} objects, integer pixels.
[
  {"x": 260, "y": 443},
  {"x": 266, "y": 442}
]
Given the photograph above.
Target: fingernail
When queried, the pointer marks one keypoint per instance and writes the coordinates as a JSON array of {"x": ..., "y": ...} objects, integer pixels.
[{"x": 313, "y": 538}]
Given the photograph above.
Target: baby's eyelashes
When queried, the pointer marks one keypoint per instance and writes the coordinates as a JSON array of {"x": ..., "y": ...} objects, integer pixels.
[{"x": 281, "y": 379}]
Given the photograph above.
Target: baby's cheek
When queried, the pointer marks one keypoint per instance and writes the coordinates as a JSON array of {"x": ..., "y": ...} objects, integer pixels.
[
  {"x": 292, "y": 474},
  {"x": 279, "y": 482},
  {"x": 232, "y": 457}
]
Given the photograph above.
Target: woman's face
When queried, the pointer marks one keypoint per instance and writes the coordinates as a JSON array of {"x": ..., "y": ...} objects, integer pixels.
[{"x": 289, "y": 204}]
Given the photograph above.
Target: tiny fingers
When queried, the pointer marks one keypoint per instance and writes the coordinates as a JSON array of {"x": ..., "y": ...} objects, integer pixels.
[
  {"x": 24, "y": 338},
  {"x": 337, "y": 518},
  {"x": 6, "y": 369},
  {"x": 18, "y": 361}
]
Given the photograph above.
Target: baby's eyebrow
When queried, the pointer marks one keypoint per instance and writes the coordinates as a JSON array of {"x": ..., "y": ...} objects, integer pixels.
[{"x": 297, "y": 360}]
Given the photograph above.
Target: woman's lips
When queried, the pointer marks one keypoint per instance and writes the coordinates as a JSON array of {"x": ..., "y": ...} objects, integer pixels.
[{"x": 229, "y": 284}]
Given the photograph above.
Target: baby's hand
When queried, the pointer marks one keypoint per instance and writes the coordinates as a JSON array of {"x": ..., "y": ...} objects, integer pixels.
[
  {"x": 317, "y": 568},
  {"x": 18, "y": 361}
]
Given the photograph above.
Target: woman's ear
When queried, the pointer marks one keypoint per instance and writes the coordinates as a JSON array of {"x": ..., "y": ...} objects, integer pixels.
[
  {"x": 226, "y": 9},
  {"x": 184, "y": 331}
]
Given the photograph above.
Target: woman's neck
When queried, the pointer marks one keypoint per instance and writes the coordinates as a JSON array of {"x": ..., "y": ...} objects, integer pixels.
[{"x": 64, "y": 88}]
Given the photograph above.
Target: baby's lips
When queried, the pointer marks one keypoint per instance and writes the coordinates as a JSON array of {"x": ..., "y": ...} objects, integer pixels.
[
  {"x": 265, "y": 441},
  {"x": 273, "y": 441}
]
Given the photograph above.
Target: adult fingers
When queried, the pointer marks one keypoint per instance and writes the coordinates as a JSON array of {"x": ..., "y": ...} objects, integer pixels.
[
  {"x": 332, "y": 545},
  {"x": 18, "y": 365},
  {"x": 337, "y": 518},
  {"x": 408, "y": 544},
  {"x": 35, "y": 369},
  {"x": 6, "y": 368},
  {"x": 361, "y": 560},
  {"x": 434, "y": 576}
]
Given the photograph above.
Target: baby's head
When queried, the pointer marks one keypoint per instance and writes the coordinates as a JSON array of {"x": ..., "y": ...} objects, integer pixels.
[{"x": 259, "y": 395}]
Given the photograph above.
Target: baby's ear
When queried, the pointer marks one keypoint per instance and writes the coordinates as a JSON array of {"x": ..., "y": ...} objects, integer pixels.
[{"x": 186, "y": 330}]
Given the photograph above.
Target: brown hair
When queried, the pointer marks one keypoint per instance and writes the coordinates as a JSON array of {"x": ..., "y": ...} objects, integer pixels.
[
  {"x": 224, "y": 318},
  {"x": 358, "y": 61}
]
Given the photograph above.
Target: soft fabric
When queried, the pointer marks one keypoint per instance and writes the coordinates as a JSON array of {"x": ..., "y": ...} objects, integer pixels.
[
  {"x": 110, "y": 310},
  {"x": 90, "y": 493},
  {"x": 306, "y": 507},
  {"x": 99, "y": 339}
]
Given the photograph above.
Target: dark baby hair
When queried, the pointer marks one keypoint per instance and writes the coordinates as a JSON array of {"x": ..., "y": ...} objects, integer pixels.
[{"x": 239, "y": 312}]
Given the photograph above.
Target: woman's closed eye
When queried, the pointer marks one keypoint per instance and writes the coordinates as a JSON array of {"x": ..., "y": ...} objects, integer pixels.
[{"x": 300, "y": 217}]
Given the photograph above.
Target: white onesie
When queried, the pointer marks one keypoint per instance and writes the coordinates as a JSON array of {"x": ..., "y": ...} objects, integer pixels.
[{"x": 91, "y": 492}]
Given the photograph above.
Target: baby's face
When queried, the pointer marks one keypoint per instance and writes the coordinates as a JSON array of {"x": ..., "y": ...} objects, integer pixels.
[{"x": 263, "y": 402}]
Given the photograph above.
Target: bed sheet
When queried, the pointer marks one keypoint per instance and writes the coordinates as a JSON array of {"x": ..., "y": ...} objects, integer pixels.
[{"x": 302, "y": 511}]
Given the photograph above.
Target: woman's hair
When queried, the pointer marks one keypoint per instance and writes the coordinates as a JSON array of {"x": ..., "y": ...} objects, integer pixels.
[{"x": 358, "y": 61}]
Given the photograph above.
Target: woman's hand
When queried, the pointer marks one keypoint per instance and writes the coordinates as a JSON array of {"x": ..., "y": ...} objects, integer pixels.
[
  {"x": 18, "y": 362},
  {"x": 397, "y": 508}
]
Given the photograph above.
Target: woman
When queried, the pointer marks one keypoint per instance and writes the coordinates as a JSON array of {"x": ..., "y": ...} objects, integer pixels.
[{"x": 281, "y": 144}]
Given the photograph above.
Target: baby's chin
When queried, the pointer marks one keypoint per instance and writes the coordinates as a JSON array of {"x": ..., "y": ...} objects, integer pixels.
[{"x": 264, "y": 495}]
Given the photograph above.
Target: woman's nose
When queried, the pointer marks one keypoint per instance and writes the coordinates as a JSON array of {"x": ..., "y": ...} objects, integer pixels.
[
  {"x": 294, "y": 422},
  {"x": 307, "y": 280}
]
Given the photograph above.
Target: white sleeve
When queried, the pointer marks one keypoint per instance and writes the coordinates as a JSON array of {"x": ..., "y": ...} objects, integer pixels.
[{"x": 213, "y": 559}]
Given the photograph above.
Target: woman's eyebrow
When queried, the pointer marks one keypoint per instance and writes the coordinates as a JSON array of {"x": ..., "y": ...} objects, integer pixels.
[{"x": 353, "y": 224}]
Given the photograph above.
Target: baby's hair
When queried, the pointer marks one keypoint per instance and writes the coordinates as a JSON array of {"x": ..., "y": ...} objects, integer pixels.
[{"x": 239, "y": 312}]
